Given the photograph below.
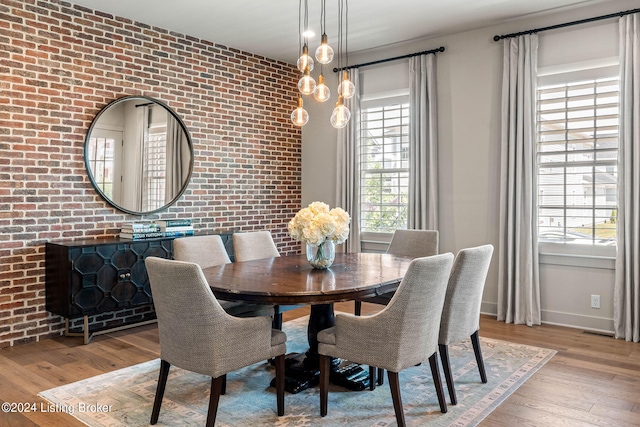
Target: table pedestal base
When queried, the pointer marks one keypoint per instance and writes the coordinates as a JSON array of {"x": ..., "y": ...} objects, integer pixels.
[{"x": 299, "y": 377}]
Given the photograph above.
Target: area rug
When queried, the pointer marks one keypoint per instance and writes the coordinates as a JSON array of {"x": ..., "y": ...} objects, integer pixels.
[{"x": 124, "y": 398}]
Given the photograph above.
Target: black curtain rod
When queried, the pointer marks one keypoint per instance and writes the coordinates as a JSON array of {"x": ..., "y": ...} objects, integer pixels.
[
  {"x": 568, "y": 24},
  {"x": 426, "y": 52},
  {"x": 144, "y": 105}
]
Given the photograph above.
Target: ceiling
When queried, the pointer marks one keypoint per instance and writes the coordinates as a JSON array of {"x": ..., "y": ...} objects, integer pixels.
[{"x": 270, "y": 28}]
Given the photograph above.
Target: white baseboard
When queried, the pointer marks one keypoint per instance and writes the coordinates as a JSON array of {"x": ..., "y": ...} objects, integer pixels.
[{"x": 601, "y": 325}]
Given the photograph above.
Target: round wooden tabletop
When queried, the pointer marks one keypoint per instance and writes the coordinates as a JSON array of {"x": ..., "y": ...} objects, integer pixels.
[{"x": 292, "y": 280}]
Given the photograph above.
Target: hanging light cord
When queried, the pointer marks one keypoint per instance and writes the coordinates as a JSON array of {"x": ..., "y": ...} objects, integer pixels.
[
  {"x": 340, "y": 2},
  {"x": 346, "y": 32},
  {"x": 323, "y": 17}
]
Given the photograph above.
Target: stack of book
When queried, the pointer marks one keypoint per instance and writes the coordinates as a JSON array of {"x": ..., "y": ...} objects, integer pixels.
[
  {"x": 175, "y": 227},
  {"x": 138, "y": 230}
]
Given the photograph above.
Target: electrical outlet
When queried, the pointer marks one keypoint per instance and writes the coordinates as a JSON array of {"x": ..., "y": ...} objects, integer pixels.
[{"x": 595, "y": 301}]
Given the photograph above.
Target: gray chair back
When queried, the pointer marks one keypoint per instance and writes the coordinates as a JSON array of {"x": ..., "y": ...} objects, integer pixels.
[
  {"x": 461, "y": 312},
  {"x": 405, "y": 332},
  {"x": 254, "y": 245},
  {"x": 414, "y": 243},
  {"x": 195, "y": 331},
  {"x": 206, "y": 251}
]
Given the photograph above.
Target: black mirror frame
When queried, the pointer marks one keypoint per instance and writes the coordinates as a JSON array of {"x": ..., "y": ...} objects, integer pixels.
[{"x": 142, "y": 98}]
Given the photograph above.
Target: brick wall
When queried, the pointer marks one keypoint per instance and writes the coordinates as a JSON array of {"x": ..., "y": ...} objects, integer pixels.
[{"x": 60, "y": 64}]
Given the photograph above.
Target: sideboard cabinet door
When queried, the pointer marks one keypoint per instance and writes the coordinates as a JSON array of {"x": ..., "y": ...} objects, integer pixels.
[{"x": 99, "y": 276}]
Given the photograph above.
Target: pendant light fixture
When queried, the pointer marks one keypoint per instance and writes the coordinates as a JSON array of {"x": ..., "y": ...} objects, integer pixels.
[
  {"x": 300, "y": 117},
  {"x": 340, "y": 115},
  {"x": 307, "y": 84},
  {"x": 322, "y": 92},
  {"x": 324, "y": 54},
  {"x": 346, "y": 89}
]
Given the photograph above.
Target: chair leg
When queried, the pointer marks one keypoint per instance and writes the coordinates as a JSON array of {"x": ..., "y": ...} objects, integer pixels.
[
  {"x": 435, "y": 373},
  {"x": 372, "y": 378},
  {"x": 357, "y": 307},
  {"x": 380, "y": 376},
  {"x": 224, "y": 384},
  {"x": 214, "y": 398},
  {"x": 277, "y": 318},
  {"x": 394, "y": 385},
  {"x": 162, "y": 382},
  {"x": 475, "y": 341},
  {"x": 324, "y": 383},
  {"x": 448, "y": 376},
  {"x": 280, "y": 383}
]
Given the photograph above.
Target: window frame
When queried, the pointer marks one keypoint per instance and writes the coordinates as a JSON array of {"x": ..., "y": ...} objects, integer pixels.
[
  {"x": 567, "y": 252},
  {"x": 398, "y": 102}
]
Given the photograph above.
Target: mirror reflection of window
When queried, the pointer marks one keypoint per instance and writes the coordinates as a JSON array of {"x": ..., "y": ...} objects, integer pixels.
[
  {"x": 100, "y": 153},
  {"x": 155, "y": 161}
]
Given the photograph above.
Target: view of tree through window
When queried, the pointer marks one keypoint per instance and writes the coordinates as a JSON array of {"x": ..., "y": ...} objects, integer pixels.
[
  {"x": 577, "y": 161},
  {"x": 384, "y": 168}
]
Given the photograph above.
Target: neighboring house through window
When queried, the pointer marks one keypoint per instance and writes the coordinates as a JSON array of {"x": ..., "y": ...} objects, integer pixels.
[{"x": 577, "y": 160}]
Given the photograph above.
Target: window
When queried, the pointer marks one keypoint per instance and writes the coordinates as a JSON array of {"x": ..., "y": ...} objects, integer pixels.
[
  {"x": 155, "y": 167},
  {"x": 100, "y": 155},
  {"x": 577, "y": 161},
  {"x": 384, "y": 167}
]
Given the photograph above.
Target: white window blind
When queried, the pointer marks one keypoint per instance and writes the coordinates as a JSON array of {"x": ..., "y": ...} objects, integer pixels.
[
  {"x": 155, "y": 168},
  {"x": 578, "y": 161},
  {"x": 384, "y": 167}
]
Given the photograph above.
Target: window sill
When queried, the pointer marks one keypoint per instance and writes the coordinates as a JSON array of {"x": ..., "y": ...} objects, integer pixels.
[{"x": 573, "y": 255}]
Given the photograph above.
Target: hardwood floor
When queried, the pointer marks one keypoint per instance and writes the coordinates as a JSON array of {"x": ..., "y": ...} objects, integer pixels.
[{"x": 593, "y": 380}]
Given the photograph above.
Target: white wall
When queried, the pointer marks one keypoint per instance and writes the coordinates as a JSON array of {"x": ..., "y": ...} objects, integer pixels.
[{"x": 469, "y": 85}]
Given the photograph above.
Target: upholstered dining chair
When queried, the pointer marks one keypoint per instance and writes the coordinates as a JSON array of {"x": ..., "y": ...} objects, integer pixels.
[
  {"x": 401, "y": 335},
  {"x": 410, "y": 243},
  {"x": 258, "y": 245},
  {"x": 461, "y": 312},
  {"x": 196, "y": 334},
  {"x": 209, "y": 251}
]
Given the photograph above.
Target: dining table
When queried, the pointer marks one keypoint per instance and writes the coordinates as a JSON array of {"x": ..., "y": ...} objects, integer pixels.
[{"x": 291, "y": 280}]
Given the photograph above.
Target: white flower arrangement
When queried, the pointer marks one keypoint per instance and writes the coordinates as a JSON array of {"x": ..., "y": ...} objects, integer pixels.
[{"x": 317, "y": 223}]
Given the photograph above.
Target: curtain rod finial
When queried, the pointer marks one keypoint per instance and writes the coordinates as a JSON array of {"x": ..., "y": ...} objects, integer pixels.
[{"x": 496, "y": 38}]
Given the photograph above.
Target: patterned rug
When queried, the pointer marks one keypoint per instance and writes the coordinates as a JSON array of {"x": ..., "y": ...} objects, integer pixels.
[{"x": 125, "y": 397}]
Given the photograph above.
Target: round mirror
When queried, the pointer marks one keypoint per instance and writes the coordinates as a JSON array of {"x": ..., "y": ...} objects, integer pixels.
[{"x": 139, "y": 155}]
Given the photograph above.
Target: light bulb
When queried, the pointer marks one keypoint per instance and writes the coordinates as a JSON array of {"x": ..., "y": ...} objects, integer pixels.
[
  {"x": 341, "y": 115},
  {"x": 322, "y": 92},
  {"x": 305, "y": 61},
  {"x": 324, "y": 52},
  {"x": 299, "y": 117},
  {"x": 346, "y": 88},
  {"x": 306, "y": 85}
]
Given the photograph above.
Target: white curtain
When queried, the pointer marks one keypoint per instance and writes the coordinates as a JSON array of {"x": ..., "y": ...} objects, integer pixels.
[
  {"x": 348, "y": 185},
  {"x": 518, "y": 276},
  {"x": 423, "y": 144},
  {"x": 626, "y": 307},
  {"x": 137, "y": 180},
  {"x": 177, "y": 159}
]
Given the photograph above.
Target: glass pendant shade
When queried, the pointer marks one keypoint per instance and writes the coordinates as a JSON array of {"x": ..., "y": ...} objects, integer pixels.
[
  {"x": 324, "y": 52},
  {"x": 346, "y": 88},
  {"x": 341, "y": 115},
  {"x": 322, "y": 92},
  {"x": 306, "y": 85},
  {"x": 305, "y": 61},
  {"x": 299, "y": 117}
]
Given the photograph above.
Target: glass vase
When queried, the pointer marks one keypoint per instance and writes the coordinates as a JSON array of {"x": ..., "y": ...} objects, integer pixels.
[{"x": 321, "y": 256}]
